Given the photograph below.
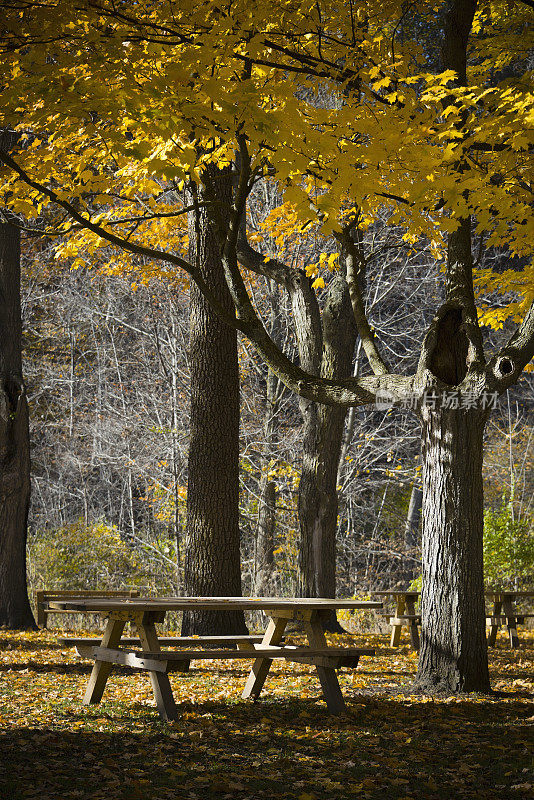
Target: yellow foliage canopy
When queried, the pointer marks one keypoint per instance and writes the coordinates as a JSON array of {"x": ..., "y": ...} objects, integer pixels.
[{"x": 119, "y": 108}]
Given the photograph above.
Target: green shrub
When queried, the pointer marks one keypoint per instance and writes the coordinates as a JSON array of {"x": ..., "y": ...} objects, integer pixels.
[
  {"x": 508, "y": 548},
  {"x": 84, "y": 556}
]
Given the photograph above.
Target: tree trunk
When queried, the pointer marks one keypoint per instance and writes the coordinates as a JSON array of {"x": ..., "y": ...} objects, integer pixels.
[
  {"x": 15, "y": 611},
  {"x": 265, "y": 533},
  {"x": 212, "y": 561},
  {"x": 318, "y": 500},
  {"x": 265, "y": 542},
  {"x": 453, "y": 653},
  {"x": 411, "y": 531}
]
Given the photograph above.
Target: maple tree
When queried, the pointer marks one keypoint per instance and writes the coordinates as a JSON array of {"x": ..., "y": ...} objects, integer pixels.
[{"x": 123, "y": 105}]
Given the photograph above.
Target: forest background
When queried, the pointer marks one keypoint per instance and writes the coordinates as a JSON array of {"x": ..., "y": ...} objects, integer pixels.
[
  {"x": 376, "y": 477},
  {"x": 107, "y": 370}
]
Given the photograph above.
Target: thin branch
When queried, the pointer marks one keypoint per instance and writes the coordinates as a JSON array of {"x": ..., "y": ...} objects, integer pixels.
[
  {"x": 367, "y": 337},
  {"x": 124, "y": 244}
]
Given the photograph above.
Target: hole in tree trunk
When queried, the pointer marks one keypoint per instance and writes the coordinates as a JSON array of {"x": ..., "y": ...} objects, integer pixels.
[
  {"x": 12, "y": 392},
  {"x": 505, "y": 366}
]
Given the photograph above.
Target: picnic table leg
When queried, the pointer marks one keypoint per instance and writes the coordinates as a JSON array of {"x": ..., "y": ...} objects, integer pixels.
[
  {"x": 260, "y": 668},
  {"x": 396, "y": 629},
  {"x": 101, "y": 669},
  {"x": 42, "y": 616},
  {"x": 414, "y": 630},
  {"x": 508, "y": 610},
  {"x": 161, "y": 685},
  {"x": 494, "y": 627},
  {"x": 327, "y": 675}
]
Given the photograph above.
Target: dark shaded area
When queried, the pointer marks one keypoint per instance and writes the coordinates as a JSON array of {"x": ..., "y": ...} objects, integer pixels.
[
  {"x": 448, "y": 362},
  {"x": 435, "y": 751}
]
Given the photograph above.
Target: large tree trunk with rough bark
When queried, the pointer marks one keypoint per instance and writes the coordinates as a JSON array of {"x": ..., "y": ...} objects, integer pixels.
[
  {"x": 318, "y": 499},
  {"x": 453, "y": 653},
  {"x": 15, "y": 611},
  {"x": 212, "y": 558},
  {"x": 453, "y": 649}
]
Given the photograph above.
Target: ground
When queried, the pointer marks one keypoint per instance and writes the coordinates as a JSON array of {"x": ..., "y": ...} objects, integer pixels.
[{"x": 392, "y": 744}]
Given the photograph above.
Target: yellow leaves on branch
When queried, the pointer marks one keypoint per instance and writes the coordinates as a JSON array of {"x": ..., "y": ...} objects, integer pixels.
[
  {"x": 516, "y": 284},
  {"x": 118, "y": 112}
]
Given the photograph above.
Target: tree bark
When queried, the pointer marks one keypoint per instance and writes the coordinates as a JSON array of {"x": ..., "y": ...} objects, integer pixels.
[
  {"x": 317, "y": 499},
  {"x": 265, "y": 532},
  {"x": 265, "y": 542},
  {"x": 411, "y": 530},
  {"x": 15, "y": 611},
  {"x": 212, "y": 559},
  {"x": 453, "y": 654}
]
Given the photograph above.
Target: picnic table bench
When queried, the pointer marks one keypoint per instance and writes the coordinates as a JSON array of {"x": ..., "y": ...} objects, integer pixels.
[
  {"x": 86, "y": 646},
  {"x": 144, "y": 614}
]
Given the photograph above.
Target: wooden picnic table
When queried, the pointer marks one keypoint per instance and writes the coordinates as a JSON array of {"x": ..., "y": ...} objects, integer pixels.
[
  {"x": 144, "y": 614},
  {"x": 505, "y": 612},
  {"x": 405, "y": 615}
]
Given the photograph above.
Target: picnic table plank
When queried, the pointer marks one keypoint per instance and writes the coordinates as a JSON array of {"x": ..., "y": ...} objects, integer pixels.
[
  {"x": 169, "y": 640},
  {"x": 211, "y": 603},
  {"x": 290, "y": 652}
]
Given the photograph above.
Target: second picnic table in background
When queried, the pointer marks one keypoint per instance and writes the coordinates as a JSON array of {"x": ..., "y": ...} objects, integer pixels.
[
  {"x": 504, "y": 612},
  {"x": 405, "y": 615}
]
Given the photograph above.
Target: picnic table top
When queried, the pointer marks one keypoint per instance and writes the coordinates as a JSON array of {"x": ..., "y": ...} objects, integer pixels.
[
  {"x": 211, "y": 603},
  {"x": 394, "y": 592}
]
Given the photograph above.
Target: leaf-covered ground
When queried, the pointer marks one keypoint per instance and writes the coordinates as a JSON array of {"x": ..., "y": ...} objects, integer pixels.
[{"x": 391, "y": 744}]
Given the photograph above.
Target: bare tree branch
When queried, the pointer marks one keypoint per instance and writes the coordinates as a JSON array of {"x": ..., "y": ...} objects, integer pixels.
[{"x": 369, "y": 344}]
